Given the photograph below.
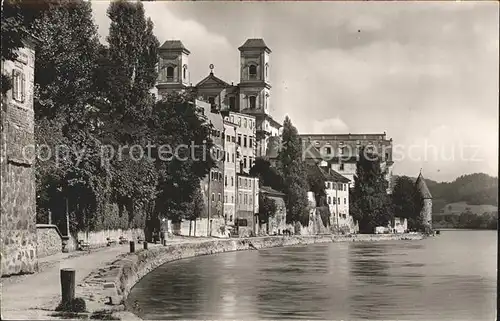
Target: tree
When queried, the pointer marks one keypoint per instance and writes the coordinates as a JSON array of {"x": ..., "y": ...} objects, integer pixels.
[
  {"x": 268, "y": 176},
  {"x": 126, "y": 75},
  {"x": 407, "y": 202},
  {"x": 267, "y": 208},
  {"x": 64, "y": 67},
  {"x": 176, "y": 122},
  {"x": 369, "y": 203},
  {"x": 316, "y": 183},
  {"x": 292, "y": 168}
]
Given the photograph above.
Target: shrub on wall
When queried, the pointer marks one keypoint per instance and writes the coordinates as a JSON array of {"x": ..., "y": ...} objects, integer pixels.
[
  {"x": 112, "y": 220},
  {"x": 324, "y": 213}
]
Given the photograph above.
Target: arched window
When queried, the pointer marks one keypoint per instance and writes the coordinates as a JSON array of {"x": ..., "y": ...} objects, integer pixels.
[
  {"x": 267, "y": 70},
  {"x": 184, "y": 72},
  {"x": 170, "y": 73},
  {"x": 252, "y": 71},
  {"x": 252, "y": 102}
]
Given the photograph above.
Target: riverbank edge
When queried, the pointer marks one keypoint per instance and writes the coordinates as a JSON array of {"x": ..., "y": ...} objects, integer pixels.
[{"x": 107, "y": 288}]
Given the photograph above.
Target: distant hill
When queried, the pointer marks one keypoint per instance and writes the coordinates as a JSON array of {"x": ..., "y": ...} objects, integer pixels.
[{"x": 477, "y": 193}]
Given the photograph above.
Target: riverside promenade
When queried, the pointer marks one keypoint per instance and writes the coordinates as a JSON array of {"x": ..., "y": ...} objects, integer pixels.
[
  {"x": 35, "y": 296},
  {"x": 108, "y": 274}
]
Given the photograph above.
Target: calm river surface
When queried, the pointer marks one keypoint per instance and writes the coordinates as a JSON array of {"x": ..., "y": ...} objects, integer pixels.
[{"x": 449, "y": 277}]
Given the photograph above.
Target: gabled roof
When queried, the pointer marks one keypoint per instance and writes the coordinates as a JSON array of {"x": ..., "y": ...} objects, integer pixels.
[
  {"x": 174, "y": 45},
  {"x": 256, "y": 43},
  {"x": 310, "y": 152},
  {"x": 329, "y": 174},
  {"x": 214, "y": 80},
  {"x": 268, "y": 190},
  {"x": 422, "y": 187}
]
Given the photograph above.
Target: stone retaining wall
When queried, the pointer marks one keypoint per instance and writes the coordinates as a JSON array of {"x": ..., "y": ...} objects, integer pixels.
[
  {"x": 115, "y": 280},
  {"x": 49, "y": 240}
]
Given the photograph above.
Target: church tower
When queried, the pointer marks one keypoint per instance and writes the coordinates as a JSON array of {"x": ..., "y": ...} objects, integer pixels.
[
  {"x": 173, "y": 72},
  {"x": 426, "y": 211},
  {"x": 255, "y": 90}
]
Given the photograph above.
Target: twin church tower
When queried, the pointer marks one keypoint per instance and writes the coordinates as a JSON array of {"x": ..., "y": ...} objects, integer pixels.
[{"x": 251, "y": 96}]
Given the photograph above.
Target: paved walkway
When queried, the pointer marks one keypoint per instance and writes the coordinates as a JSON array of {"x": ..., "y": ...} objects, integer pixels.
[{"x": 36, "y": 295}]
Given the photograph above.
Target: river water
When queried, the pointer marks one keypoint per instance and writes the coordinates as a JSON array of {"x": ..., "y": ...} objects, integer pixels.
[{"x": 449, "y": 277}]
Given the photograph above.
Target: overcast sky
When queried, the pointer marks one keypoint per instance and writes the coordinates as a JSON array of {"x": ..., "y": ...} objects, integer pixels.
[{"x": 426, "y": 73}]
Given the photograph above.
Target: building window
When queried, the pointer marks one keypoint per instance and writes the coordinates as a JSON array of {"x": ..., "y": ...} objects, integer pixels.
[
  {"x": 328, "y": 150},
  {"x": 246, "y": 199},
  {"x": 225, "y": 180},
  {"x": 334, "y": 201},
  {"x": 170, "y": 73},
  {"x": 233, "y": 138},
  {"x": 18, "y": 86},
  {"x": 345, "y": 200},
  {"x": 267, "y": 70},
  {"x": 250, "y": 161},
  {"x": 213, "y": 197},
  {"x": 252, "y": 71},
  {"x": 239, "y": 139},
  {"x": 184, "y": 72},
  {"x": 232, "y": 156},
  {"x": 338, "y": 200},
  {"x": 250, "y": 142},
  {"x": 232, "y": 201},
  {"x": 220, "y": 198},
  {"x": 244, "y": 141},
  {"x": 232, "y": 178},
  {"x": 252, "y": 102},
  {"x": 211, "y": 100},
  {"x": 329, "y": 200},
  {"x": 232, "y": 103},
  {"x": 341, "y": 167}
]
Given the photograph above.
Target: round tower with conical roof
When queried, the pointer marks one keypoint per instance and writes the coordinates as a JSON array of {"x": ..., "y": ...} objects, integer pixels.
[{"x": 425, "y": 194}]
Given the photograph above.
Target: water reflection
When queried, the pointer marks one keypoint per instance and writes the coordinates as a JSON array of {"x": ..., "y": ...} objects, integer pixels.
[{"x": 425, "y": 280}]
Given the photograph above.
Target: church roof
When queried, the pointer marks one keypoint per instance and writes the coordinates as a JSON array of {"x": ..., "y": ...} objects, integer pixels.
[
  {"x": 256, "y": 43},
  {"x": 174, "y": 45},
  {"x": 211, "y": 79},
  {"x": 422, "y": 187}
]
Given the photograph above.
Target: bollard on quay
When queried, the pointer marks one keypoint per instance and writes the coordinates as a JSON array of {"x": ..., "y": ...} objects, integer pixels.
[
  {"x": 67, "y": 286},
  {"x": 132, "y": 246}
]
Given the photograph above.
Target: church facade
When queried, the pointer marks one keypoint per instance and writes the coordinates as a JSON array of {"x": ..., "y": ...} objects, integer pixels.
[{"x": 250, "y": 96}]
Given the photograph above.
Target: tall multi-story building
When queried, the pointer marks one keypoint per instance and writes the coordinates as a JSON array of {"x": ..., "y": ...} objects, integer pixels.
[
  {"x": 230, "y": 169},
  {"x": 245, "y": 140},
  {"x": 247, "y": 204},
  {"x": 213, "y": 183},
  {"x": 251, "y": 96},
  {"x": 341, "y": 151},
  {"x": 18, "y": 221}
]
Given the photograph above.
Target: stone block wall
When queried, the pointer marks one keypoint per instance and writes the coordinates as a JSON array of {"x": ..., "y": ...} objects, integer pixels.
[
  {"x": 199, "y": 227},
  {"x": 100, "y": 238},
  {"x": 49, "y": 240},
  {"x": 18, "y": 222}
]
